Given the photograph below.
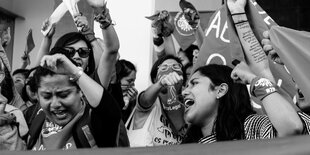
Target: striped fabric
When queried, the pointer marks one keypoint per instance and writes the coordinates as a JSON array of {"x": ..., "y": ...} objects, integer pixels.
[
  {"x": 259, "y": 127},
  {"x": 208, "y": 139}
]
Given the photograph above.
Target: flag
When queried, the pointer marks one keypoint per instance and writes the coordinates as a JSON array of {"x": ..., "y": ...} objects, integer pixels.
[
  {"x": 30, "y": 43},
  {"x": 221, "y": 43},
  {"x": 183, "y": 32},
  {"x": 29, "y": 46},
  {"x": 293, "y": 48}
]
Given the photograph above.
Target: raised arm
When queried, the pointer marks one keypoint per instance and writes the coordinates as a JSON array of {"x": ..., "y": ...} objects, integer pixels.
[
  {"x": 83, "y": 25},
  {"x": 192, "y": 17},
  {"x": 46, "y": 43},
  {"x": 149, "y": 96},
  {"x": 163, "y": 45},
  {"x": 162, "y": 31},
  {"x": 60, "y": 64},
  {"x": 280, "y": 112},
  {"x": 255, "y": 56},
  {"x": 110, "y": 44},
  {"x": 199, "y": 35}
]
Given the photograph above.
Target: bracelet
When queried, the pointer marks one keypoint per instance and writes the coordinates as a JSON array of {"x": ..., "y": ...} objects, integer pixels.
[
  {"x": 77, "y": 75},
  {"x": 158, "y": 41},
  {"x": 241, "y": 22},
  {"x": 241, "y": 13},
  {"x": 104, "y": 19},
  {"x": 90, "y": 36},
  {"x": 235, "y": 62},
  {"x": 262, "y": 87}
]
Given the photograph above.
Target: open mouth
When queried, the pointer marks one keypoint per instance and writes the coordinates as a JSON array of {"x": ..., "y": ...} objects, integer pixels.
[
  {"x": 78, "y": 62},
  {"x": 60, "y": 114},
  {"x": 301, "y": 96},
  {"x": 188, "y": 102}
]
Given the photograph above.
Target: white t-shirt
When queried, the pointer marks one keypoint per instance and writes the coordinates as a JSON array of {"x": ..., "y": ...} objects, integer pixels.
[{"x": 157, "y": 130}]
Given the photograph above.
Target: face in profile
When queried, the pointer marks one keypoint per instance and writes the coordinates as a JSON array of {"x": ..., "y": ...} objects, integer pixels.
[
  {"x": 128, "y": 81},
  {"x": 184, "y": 59},
  {"x": 59, "y": 99},
  {"x": 79, "y": 52},
  {"x": 199, "y": 99},
  {"x": 19, "y": 82}
]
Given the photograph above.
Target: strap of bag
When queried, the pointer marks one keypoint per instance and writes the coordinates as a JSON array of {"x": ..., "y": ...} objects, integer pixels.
[{"x": 130, "y": 121}]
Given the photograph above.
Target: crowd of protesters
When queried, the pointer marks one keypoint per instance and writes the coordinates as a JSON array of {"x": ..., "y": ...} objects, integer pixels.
[{"x": 81, "y": 95}]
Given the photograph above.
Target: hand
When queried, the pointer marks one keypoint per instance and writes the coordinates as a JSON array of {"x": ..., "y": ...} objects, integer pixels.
[
  {"x": 59, "y": 64},
  {"x": 82, "y": 23},
  {"x": 236, "y": 6},
  {"x": 164, "y": 15},
  {"x": 25, "y": 57},
  {"x": 132, "y": 93},
  {"x": 45, "y": 25},
  {"x": 242, "y": 73},
  {"x": 268, "y": 48},
  {"x": 171, "y": 79},
  {"x": 192, "y": 17},
  {"x": 6, "y": 37}
]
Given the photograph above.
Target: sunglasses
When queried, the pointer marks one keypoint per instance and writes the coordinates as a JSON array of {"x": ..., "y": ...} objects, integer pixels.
[{"x": 83, "y": 51}]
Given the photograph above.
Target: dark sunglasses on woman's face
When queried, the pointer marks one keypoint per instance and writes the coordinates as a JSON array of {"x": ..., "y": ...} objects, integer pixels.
[{"x": 83, "y": 51}]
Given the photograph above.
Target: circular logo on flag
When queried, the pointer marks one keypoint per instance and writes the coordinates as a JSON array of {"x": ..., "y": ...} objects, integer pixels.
[{"x": 182, "y": 26}]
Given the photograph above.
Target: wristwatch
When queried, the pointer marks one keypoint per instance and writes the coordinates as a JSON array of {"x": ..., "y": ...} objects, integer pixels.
[{"x": 74, "y": 77}]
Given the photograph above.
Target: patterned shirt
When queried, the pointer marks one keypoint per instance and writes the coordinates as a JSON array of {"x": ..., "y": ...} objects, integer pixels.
[{"x": 259, "y": 127}]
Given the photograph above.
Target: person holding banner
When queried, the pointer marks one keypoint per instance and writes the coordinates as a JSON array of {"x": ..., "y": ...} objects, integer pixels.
[
  {"x": 221, "y": 108},
  {"x": 299, "y": 99}
]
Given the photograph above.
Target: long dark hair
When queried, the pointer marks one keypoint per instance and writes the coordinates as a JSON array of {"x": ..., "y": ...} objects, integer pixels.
[
  {"x": 233, "y": 107},
  {"x": 124, "y": 68},
  {"x": 73, "y": 37}
]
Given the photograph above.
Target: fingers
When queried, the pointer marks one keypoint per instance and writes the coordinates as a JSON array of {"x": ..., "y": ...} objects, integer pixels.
[
  {"x": 81, "y": 21},
  {"x": 51, "y": 61},
  {"x": 132, "y": 92},
  {"x": 235, "y": 76},
  {"x": 52, "y": 31},
  {"x": 266, "y": 34},
  {"x": 171, "y": 79},
  {"x": 45, "y": 24},
  {"x": 242, "y": 73},
  {"x": 48, "y": 62}
]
